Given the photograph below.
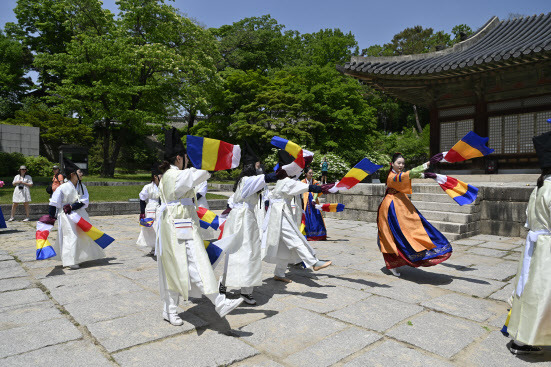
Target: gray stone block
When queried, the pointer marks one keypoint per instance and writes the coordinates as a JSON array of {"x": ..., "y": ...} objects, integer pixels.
[
  {"x": 493, "y": 352},
  {"x": 266, "y": 334},
  {"x": 12, "y": 272},
  {"x": 487, "y": 252},
  {"x": 464, "y": 306},
  {"x": 73, "y": 353},
  {"x": 333, "y": 348},
  {"x": 396, "y": 354},
  {"x": 36, "y": 336},
  {"x": 21, "y": 297},
  {"x": 140, "y": 328},
  {"x": 473, "y": 286},
  {"x": 105, "y": 308},
  {"x": 207, "y": 349},
  {"x": 13, "y": 284},
  {"x": 437, "y": 333},
  {"x": 383, "y": 313},
  {"x": 32, "y": 314}
]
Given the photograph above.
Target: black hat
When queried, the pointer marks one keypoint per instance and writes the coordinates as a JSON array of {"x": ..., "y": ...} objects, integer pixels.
[
  {"x": 284, "y": 157},
  {"x": 249, "y": 156},
  {"x": 542, "y": 144},
  {"x": 69, "y": 166},
  {"x": 173, "y": 144}
]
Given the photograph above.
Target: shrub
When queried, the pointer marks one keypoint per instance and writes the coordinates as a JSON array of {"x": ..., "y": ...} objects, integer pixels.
[
  {"x": 10, "y": 163},
  {"x": 38, "y": 166}
]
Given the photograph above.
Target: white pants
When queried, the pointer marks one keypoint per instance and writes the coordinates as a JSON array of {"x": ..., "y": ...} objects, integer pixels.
[
  {"x": 292, "y": 242},
  {"x": 171, "y": 298}
]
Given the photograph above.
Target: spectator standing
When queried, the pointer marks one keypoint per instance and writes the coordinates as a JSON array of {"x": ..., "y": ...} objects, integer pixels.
[
  {"x": 324, "y": 170},
  {"x": 21, "y": 194},
  {"x": 57, "y": 180}
]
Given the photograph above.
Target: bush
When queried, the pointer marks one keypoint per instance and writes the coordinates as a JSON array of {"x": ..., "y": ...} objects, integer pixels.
[
  {"x": 39, "y": 166},
  {"x": 11, "y": 163},
  {"x": 221, "y": 176},
  {"x": 338, "y": 167}
]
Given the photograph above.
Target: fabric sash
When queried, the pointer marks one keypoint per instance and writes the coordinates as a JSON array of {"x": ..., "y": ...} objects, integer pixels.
[
  {"x": 531, "y": 239},
  {"x": 158, "y": 241}
]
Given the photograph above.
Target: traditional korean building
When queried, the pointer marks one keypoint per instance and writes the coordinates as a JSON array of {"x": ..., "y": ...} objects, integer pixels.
[{"x": 496, "y": 83}]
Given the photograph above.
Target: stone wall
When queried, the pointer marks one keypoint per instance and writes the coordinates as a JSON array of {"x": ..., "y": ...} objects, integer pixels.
[
  {"x": 501, "y": 208},
  {"x": 21, "y": 139},
  {"x": 105, "y": 208}
]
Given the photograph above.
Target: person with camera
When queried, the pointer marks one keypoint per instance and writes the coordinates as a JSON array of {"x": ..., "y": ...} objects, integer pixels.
[
  {"x": 21, "y": 194},
  {"x": 57, "y": 180}
]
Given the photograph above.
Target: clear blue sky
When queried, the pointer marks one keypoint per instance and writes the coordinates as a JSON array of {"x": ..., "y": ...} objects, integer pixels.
[{"x": 372, "y": 22}]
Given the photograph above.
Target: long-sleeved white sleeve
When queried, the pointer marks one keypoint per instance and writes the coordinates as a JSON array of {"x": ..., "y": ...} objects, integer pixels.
[
  {"x": 252, "y": 184},
  {"x": 293, "y": 187},
  {"x": 144, "y": 194},
  {"x": 57, "y": 198},
  {"x": 85, "y": 197},
  {"x": 188, "y": 179}
]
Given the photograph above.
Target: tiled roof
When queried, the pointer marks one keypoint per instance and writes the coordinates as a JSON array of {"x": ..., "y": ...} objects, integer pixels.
[{"x": 496, "y": 44}]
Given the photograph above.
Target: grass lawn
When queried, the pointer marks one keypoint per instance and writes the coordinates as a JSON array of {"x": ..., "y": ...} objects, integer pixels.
[
  {"x": 137, "y": 177},
  {"x": 97, "y": 194}
]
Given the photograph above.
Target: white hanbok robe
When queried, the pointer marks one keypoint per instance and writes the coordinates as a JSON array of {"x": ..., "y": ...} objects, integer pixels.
[
  {"x": 72, "y": 245},
  {"x": 181, "y": 254},
  {"x": 530, "y": 321},
  {"x": 281, "y": 239},
  {"x": 244, "y": 267},
  {"x": 22, "y": 195},
  {"x": 150, "y": 194}
]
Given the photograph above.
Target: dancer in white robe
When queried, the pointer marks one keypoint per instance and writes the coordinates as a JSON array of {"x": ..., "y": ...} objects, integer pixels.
[
  {"x": 149, "y": 203},
  {"x": 72, "y": 245},
  {"x": 530, "y": 319},
  {"x": 184, "y": 266},
  {"x": 243, "y": 268}
]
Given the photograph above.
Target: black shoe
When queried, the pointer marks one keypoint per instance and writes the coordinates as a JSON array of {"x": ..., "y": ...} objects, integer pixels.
[
  {"x": 222, "y": 289},
  {"x": 524, "y": 349},
  {"x": 248, "y": 299}
]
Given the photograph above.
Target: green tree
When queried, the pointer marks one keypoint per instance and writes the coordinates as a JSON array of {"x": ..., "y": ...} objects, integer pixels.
[
  {"x": 459, "y": 30},
  {"x": 312, "y": 105},
  {"x": 41, "y": 28},
  {"x": 55, "y": 129},
  {"x": 327, "y": 46},
  {"x": 255, "y": 43},
  {"x": 120, "y": 74},
  {"x": 15, "y": 61}
]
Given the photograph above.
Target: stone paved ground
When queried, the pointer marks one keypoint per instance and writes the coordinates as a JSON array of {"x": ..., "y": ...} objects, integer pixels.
[{"x": 108, "y": 312}]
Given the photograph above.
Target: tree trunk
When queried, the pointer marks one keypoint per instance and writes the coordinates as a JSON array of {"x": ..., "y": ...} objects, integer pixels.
[
  {"x": 116, "y": 151},
  {"x": 417, "y": 119},
  {"x": 106, "y": 144},
  {"x": 192, "y": 117}
]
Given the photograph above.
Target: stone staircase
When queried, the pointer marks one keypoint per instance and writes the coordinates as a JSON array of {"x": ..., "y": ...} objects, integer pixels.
[{"x": 442, "y": 212}]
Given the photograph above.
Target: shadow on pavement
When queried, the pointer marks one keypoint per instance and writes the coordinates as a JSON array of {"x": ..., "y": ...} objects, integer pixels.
[
  {"x": 420, "y": 276},
  {"x": 359, "y": 281},
  {"x": 10, "y": 231}
]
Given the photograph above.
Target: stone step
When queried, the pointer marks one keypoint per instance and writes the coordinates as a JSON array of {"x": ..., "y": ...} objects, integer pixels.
[
  {"x": 427, "y": 188},
  {"x": 436, "y": 198},
  {"x": 445, "y": 216},
  {"x": 454, "y": 227},
  {"x": 451, "y": 206}
]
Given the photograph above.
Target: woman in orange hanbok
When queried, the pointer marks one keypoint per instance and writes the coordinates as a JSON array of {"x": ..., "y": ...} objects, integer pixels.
[{"x": 405, "y": 236}]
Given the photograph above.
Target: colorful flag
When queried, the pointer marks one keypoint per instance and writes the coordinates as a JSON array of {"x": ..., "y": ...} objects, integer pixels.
[
  {"x": 303, "y": 224},
  {"x": 504, "y": 330},
  {"x": 459, "y": 191},
  {"x": 102, "y": 239},
  {"x": 330, "y": 208},
  {"x": 360, "y": 171},
  {"x": 211, "y": 154},
  {"x": 146, "y": 222},
  {"x": 207, "y": 218},
  {"x": 44, "y": 249},
  {"x": 301, "y": 155},
  {"x": 470, "y": 146},
  {"x": 216, "y": 248}
]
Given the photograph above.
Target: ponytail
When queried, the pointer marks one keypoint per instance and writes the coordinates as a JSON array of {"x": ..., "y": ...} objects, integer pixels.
[{"x": 163, "y": 167}]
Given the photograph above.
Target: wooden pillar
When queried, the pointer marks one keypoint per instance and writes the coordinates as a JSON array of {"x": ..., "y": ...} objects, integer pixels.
[
  {"x": 480, "y": 120},
  {"x": 434, "y": 131}
]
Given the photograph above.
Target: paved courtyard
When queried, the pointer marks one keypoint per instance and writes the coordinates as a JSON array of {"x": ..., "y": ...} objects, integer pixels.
[{"x": 108, "y": 313}]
